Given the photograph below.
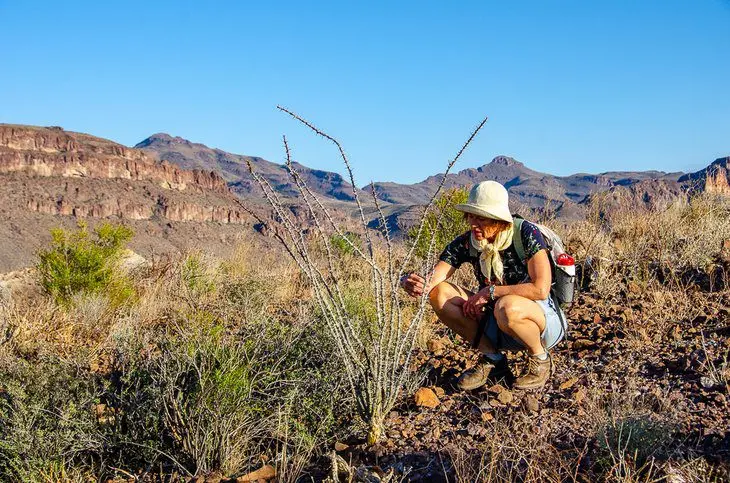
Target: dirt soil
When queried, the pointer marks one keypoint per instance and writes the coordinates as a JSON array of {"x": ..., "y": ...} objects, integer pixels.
[{"x": 675, "y": 374}]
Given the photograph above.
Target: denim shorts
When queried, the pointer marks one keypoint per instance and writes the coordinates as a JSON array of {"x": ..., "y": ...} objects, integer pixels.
[{"x": 553, "y": 333}]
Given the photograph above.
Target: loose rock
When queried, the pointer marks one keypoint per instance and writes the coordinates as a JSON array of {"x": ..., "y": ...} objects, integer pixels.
[
  {"x": 568, "y": 384},
  {"x": 505, "y": 397},
  {"x": 426, "y": 398},
  {"x": 266, "y": 472},
  {"x": 531, "y": 403}
]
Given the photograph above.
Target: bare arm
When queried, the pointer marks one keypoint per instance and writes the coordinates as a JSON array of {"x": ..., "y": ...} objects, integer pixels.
[
  {"x": 414, "y": 284},
  {"x": 538, "y": 288}
]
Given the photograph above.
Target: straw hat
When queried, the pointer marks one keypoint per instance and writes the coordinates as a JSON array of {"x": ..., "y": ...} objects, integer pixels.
[{"x": 488, "y": 199}]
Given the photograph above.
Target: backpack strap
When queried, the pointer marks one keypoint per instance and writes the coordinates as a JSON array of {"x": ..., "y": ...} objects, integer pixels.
[{"x": 517, "y": 237}]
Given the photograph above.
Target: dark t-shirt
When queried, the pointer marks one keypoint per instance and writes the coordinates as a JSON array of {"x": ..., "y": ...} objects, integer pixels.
[{"x": 460, "y": 251}]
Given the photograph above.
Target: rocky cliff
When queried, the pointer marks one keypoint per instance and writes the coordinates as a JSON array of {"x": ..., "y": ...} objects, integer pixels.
[
  {"x": 50, "y": 177},
  {"x": 79, "y": 175},
  {"x": 713, "y": 179},
  {"x": 54, "y": 152}
]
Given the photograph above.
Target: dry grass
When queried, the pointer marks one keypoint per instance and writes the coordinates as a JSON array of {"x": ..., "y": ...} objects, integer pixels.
[{"x": 198, "y": 318}]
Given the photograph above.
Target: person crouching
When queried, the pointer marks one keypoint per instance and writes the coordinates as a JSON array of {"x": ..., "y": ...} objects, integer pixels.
[{"x": 513, "y": 309}]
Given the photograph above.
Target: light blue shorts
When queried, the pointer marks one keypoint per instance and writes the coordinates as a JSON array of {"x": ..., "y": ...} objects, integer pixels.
[{"x": 554, "y": 330}]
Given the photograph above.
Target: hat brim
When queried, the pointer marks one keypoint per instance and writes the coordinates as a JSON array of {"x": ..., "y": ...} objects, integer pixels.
[{"x": 497, "y": 214}]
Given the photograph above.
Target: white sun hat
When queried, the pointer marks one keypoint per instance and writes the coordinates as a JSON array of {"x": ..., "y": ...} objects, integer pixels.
[{"x": 488, "y": 199}]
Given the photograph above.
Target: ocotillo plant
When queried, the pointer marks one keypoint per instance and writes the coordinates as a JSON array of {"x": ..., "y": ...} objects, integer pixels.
[{"x": 376, "y": 360}]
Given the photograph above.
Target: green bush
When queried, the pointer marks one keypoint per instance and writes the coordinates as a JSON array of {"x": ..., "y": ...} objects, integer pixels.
[
  {"x": 47, "y": 424},
  {"x": 201, "y": 398},
  {"x": 79, "y": 262},
  {"x": 196, "y": 276},
  {"x": 451, "y": 224},
  {"x": 341, "y": 245},
  {"x": 630, "y": 444}
]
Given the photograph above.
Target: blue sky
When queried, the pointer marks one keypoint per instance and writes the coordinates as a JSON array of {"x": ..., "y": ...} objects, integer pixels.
[{"x": 569, "y": 86}]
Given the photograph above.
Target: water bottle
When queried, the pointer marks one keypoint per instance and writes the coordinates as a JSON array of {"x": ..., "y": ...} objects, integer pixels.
[
  {"x": 565, "y": 278},
  {"x": 566, "y": 263}
]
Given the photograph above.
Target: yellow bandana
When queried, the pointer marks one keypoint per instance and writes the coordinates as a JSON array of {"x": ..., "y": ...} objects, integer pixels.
[{"x": 489, "y": 259}]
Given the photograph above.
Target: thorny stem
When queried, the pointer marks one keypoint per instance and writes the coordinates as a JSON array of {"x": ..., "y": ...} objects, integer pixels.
[
  {"x": 347, "y": 165},
  {"x": 376, "y": 363}
]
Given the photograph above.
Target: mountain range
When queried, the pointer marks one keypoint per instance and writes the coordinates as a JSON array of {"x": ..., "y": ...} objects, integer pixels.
[
  {"x": 565, "y": 195},
  {"x": 181, "y": 195}
]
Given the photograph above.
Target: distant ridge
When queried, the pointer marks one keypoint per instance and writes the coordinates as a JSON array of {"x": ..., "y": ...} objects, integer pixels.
[
  {"x": 566, "y": 196},
  {"x": 526, "y": 186},
  {"x": 233, "y": 168}
]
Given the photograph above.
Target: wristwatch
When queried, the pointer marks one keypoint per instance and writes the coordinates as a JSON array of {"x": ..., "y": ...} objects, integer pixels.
[{"x": 491, "y": 292}]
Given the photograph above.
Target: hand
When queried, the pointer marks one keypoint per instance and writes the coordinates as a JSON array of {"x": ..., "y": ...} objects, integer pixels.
[
  {"x": 474, "y": 306},
  {"x": 413, "y": 284}
]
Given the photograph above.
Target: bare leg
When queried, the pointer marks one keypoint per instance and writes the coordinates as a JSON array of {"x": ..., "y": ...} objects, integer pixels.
[
  {"x": 523, "y": 319},
  {"x": 446, "y": 300}
]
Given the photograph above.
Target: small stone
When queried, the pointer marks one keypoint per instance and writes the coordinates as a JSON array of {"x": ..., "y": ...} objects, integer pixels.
[
  {"x": 266, "y": 472},
  {"x": 339, "y": 447},
  {"x": 474, "y": 430},
  {"x": 505, "y": 397},
  {"x": 435, "y": 345},
  {"x": 496, "y": 389},
  {"x": 367, "y": 475},
  {"x": 707, "y": 382},
  {"x": 426, "y": 398},
  {"x": 581, "y": 344},
  {"x": 568, "y": 384},
  {"x": 531, "y": 404}
]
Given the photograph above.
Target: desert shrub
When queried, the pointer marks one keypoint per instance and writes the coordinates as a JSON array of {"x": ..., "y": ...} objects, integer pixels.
[
  {"x": 47, "y": 427},
  {"x": 344, "y": 244},
  {"x": 671, "y": 245},
  {"x": 444, "y": 222},
  {"x": 201, "y": 397},
  {"x": 196, "y": 275},
  {"x": 628, "y": 445},
  {"x": 377, "y": 366},
  {"x": 76, "y": 262}
]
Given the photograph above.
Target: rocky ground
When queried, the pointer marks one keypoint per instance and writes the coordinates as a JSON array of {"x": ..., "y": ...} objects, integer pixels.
[{"x": 611, "y": 365}]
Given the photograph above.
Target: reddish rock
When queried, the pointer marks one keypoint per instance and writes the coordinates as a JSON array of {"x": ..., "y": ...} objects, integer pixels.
[
  {"x": 435, "y": 345},
  {"x": 581, "y": 344},
  {"x": 505, "y": 397},
  {"x": 569, "y": 383},
  {"x": 266, "y": 472},
  {"x": 426, "y": 398}
]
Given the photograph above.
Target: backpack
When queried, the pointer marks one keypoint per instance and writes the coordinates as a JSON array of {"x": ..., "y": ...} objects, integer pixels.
[{"x": 563, "y": 276}]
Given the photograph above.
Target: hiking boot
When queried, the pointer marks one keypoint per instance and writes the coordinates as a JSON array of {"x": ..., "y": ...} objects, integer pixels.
[
  {"x": 477, "y": 376},
  {"x": 538, "y": 372}
]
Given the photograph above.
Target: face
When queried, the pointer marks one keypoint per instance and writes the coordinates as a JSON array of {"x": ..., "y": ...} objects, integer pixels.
[{"x": 483, "y": 228}]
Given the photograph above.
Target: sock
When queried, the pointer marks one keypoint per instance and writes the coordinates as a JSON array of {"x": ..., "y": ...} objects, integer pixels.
[
  {"x": 494, "y": 356},
  {"x": 542, "y": 357}
]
